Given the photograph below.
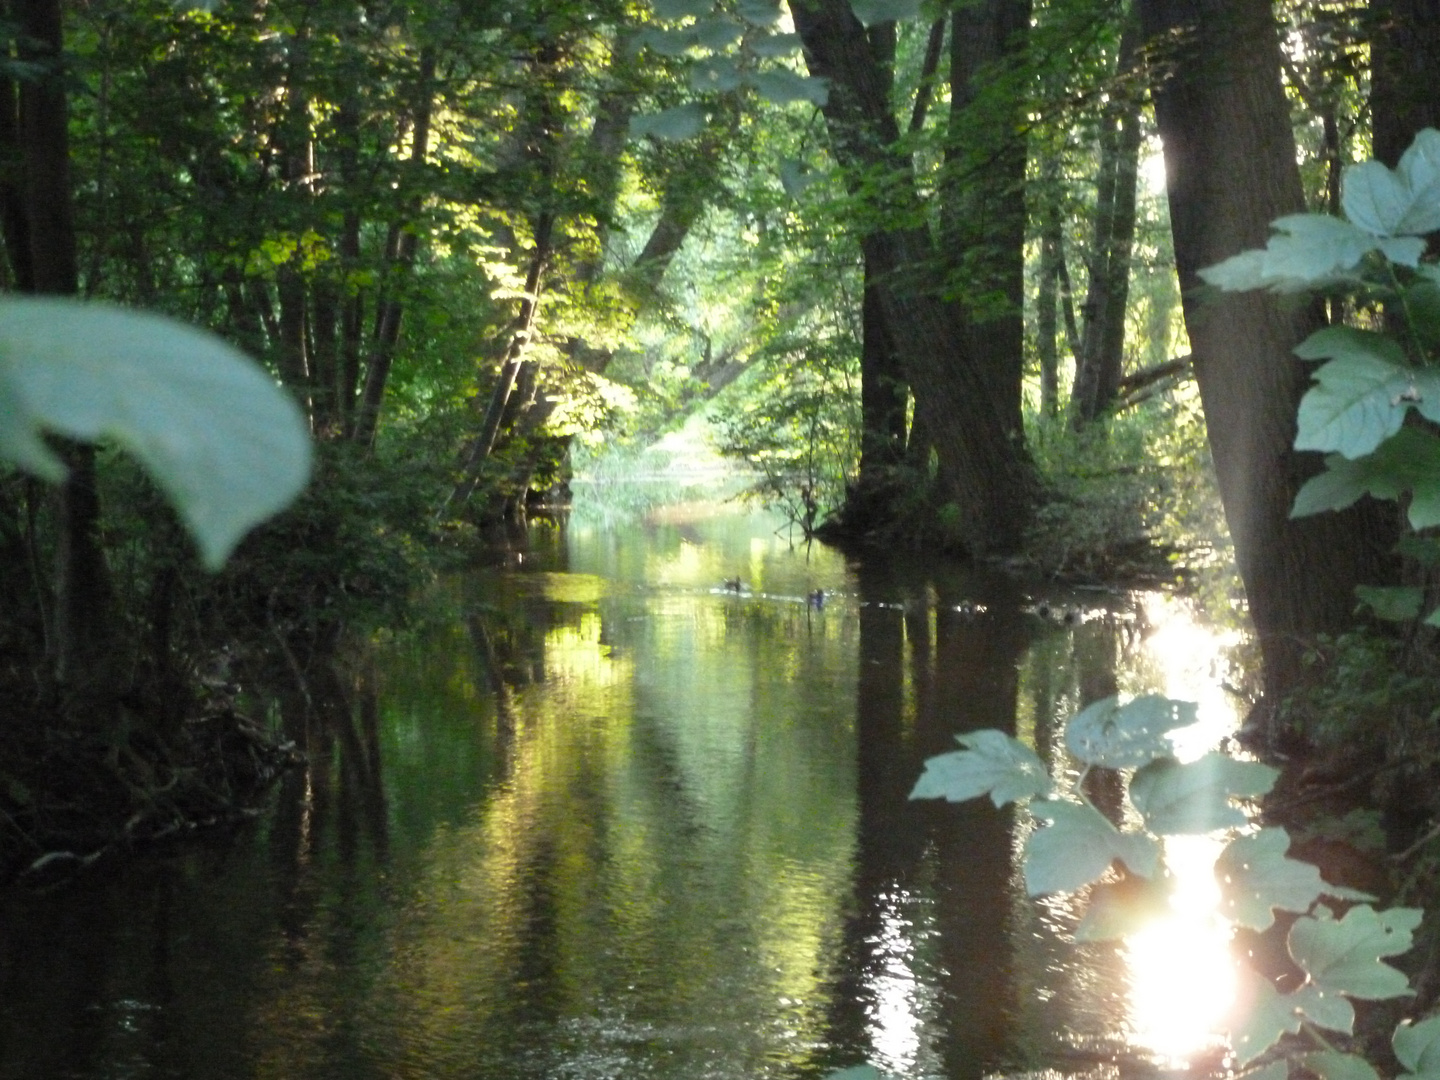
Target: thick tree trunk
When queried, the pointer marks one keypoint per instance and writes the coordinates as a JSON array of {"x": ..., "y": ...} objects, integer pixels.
[
  {"x": 1404, "y": 63},
  {"x": 883, "y": 394},
  {"x": 985, "y": 473},
  {"x": 1230, "y": 159}
]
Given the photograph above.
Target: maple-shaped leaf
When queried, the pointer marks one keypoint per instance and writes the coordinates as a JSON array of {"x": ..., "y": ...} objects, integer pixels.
[
  {"x": 992, "y": 763},
  {"x": 1265, "y": 1015},
  {"x": 1127, "y": 736},
  {"x": 1256, "y": 878},
  {"x": 1194, "y": 797},
  {"x": 1332, "y": 1011},
  {"x": 1345, "y": 955},
  {"x": 1417, "y": 1046},
  {"x": 1407, "y": 461},
  {"x": 1333, "y": 1065},
  {"x": 1276, "y": 1070},
  {"x": 1078, "y": 846}
]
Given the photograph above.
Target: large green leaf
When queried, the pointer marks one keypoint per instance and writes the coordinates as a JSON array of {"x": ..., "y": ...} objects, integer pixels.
[
  {"x": 1333, "y": 1065},
  {"x": 1327, "y": 1010},
  {"x": 1407, "y": 461},
  {"x": 1361, "y": 396},
  {"x": 679, "y": 9},
  {"x": 1405, "y": 202},
  {"x": 1265, "y": 1014},
  {"x": 226, "y": 445},
  {"x": 1345, "y": 956},
  {"x": 783, "y": 87},
  {"x": 666, "y": 42},
  {"x": 1417, "y": 1046},
  {"x": 674, "y": 125},
  {"x": 993, "y": 764},
  {"x": 1125, "y": 736},
  {"x": 759, "y": 12},
  {"x": 1078, "y": 847},
  {"x": 1306, "y": 251},
  {"x": 718, "y": 33},
  {"x": 1191, "y": 798},
  {"x": 775, "y": 45},
  {"x": 714, "y": 73},
  {"x": 1256, "y": 878}
]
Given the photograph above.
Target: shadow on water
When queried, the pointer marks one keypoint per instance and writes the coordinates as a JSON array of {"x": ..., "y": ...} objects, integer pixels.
[{"x": 610, "y": 817}]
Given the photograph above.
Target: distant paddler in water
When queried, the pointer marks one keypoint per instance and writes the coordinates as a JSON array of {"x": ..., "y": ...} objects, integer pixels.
[
  {"x": 732, "y": 584},
  {"x": 816, "y": 599}
]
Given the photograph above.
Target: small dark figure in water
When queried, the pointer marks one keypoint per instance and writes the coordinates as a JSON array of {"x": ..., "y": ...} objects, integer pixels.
[
  {"x": 1071, "y": 617},
  {"x": 816, "y": 599},
  {"x": 733, "y": 584}
]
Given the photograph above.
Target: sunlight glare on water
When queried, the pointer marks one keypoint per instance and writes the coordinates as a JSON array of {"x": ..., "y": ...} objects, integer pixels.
[{"x": 1181, "y": 972}]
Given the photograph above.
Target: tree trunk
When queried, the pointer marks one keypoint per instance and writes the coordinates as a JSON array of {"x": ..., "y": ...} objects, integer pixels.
[
  {"x": 1230, "y": 160},
  {"x": 387, "y": 318},
  {"x": 1047, "y": 323},
  {"x": 1404, "y": 63},
  {"x": 86, "y": 665},
  {"x": 1099, "y": 363},
  {"x": 985, "y": 473}
]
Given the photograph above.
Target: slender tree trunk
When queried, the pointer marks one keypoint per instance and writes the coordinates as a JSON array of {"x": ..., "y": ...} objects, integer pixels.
[
  {"x": 1230, "y": 160},
  {"x": 390, "y": 310},
  {"x": 86, "y": 664},
  {"x": 1099, "y": 363},
  {"x": 1047, "y": 323},
  {"x": 883, "y": 395}
]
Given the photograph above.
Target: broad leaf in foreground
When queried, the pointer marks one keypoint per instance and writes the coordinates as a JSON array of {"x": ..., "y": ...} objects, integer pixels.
[
  {"x": 1078, "y": 847},
  {"x": 992, "y": 763},
  {"x": 1345, "y": 955},
  {"x": 227, "y": 446},
  {"x": 1123, "y": 907},
  {"x": 1417, "y": 1046},
  {"x": 1265, "y": 1015},
  {"x": 1360, "y": 398},
  {"x": 1194, "y": 797},
  {"x": 1332, "y": 1011},
  {"x": 1256, "y": 879},
  {"x": 1407, "y": 461},
  {"x": 1127, "y": 736}
]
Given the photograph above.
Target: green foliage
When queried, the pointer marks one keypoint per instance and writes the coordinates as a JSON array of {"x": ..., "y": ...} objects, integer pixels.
[
  {"x": 1357, "y": 409},
  {"x": 224, "y": 442},
  {"x": 1342, "y": 958}
]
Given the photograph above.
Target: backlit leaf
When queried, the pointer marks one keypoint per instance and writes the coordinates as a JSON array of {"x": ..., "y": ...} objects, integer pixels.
[
  {"x": 784, "y": 87},
  {"x": 226, "y": 445},
  {"x": 1126, "y": 736},
  {"x": 1194, "y": 797},
  {"x": 1328, "y": 1010},
  {"x": 1265, "y": 1014},
  {"x": 1417, "y": 1046},
  {"x": 681, "y": 122},
  {"x": 1257, "y": 878},
  {"x": 1123, "y": 907},
  {"x": 1345, "y": 955},
  {"x": 1399, "y": 203},
  {"x": 992, "y": 763},
  {"x": 1078, "y": 847}
]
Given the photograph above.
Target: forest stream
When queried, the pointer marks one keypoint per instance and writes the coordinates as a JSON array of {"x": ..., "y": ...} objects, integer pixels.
[{"x": 615, "y": 817}]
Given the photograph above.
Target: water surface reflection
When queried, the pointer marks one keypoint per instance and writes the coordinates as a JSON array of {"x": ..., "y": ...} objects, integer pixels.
[{"x": 615, "y": 819}]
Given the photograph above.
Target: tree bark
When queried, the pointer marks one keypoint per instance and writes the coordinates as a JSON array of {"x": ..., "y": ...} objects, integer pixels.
[
  {"x": 985, "y": 473},
  {"x": 1230, "y": 160},
  {"x": 1100, "y": 361},
  {"x": 1404, "y": 63},
  {"x": 86, "y": 664}
]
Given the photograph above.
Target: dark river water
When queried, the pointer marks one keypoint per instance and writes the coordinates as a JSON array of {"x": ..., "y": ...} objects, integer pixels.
[{"x": 607, "y": 818}]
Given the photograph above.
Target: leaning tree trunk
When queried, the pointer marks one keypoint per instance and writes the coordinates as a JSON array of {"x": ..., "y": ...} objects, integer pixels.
[
  {"x": 1230, "y": 163},
  {"x": 985, "y": 474}
]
